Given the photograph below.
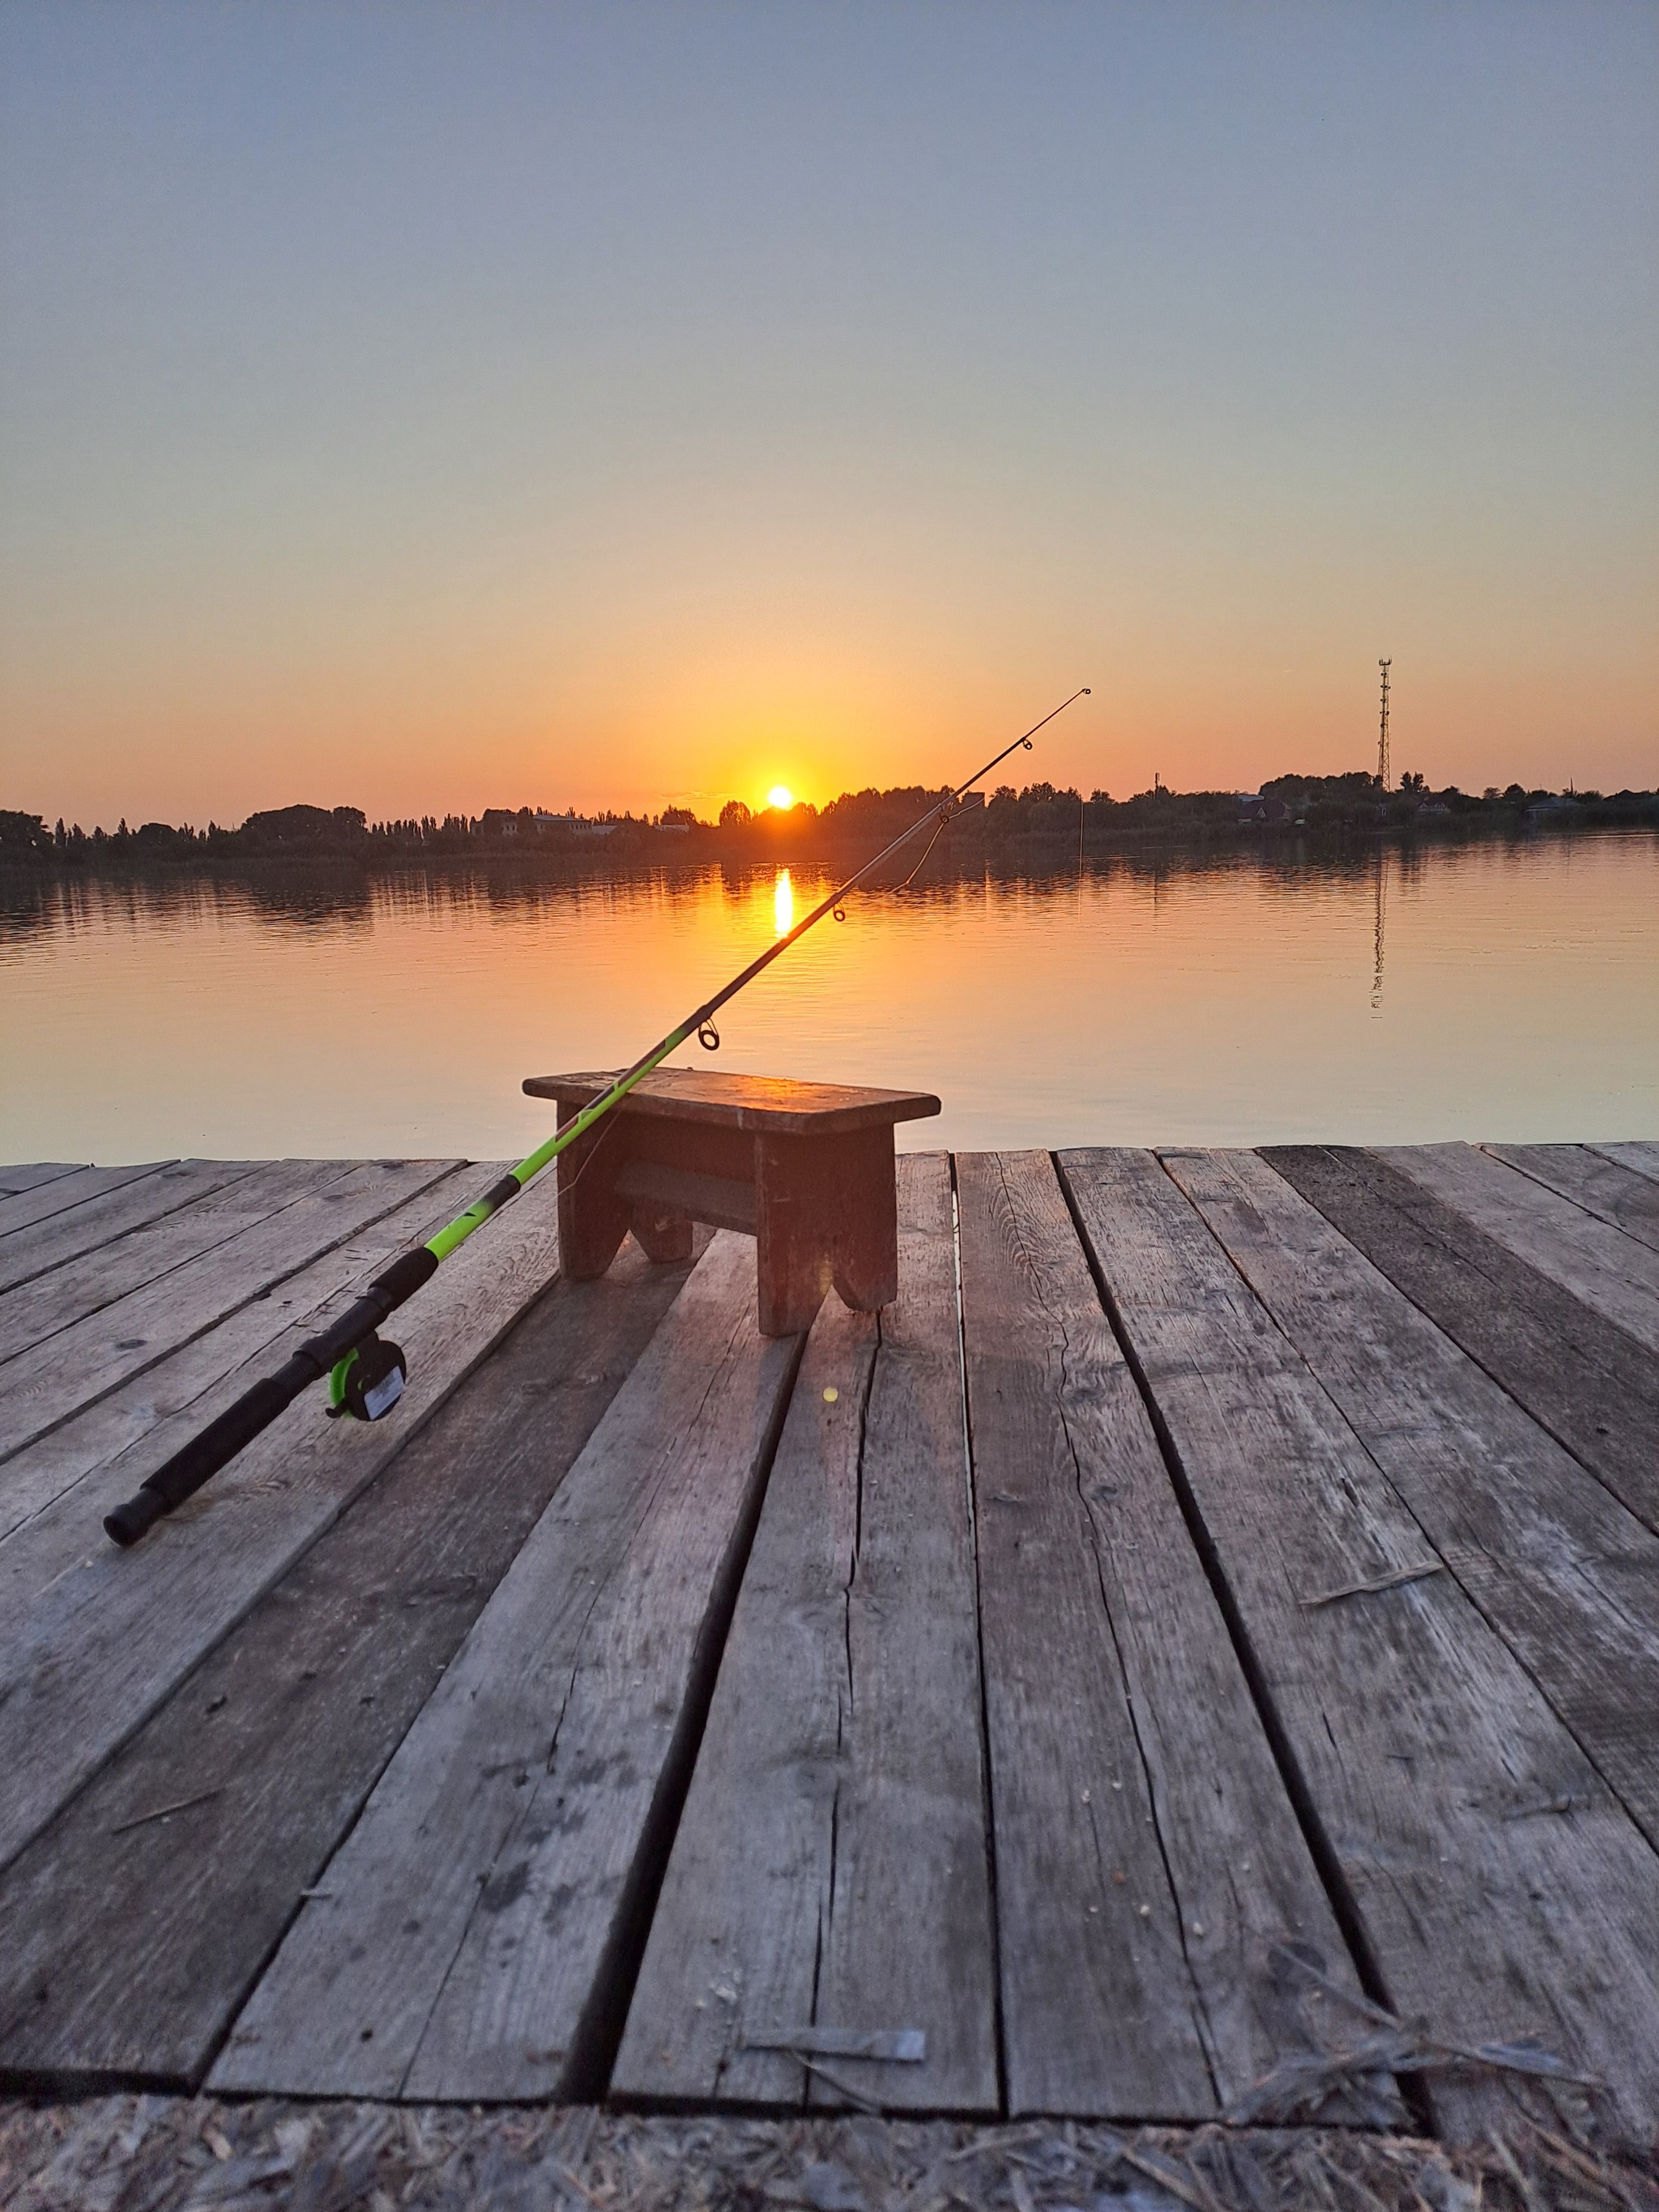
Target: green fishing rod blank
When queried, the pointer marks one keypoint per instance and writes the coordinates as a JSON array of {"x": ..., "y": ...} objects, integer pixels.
[{"x": 367, "y": 1373}]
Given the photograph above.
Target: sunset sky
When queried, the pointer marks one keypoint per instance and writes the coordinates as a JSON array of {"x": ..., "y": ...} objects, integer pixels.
[{"x": 431, "y": 407}]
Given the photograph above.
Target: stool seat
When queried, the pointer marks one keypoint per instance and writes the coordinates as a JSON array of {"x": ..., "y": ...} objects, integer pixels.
[{"x": 806, "y": 1169}]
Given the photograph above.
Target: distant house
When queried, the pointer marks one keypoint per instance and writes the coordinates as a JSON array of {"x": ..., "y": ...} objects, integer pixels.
[
  {"x": 970, "y": 800},
  {"x": 1253, "y": 807},
  {"x": 568, "y": 824},
  {"x": 499, "y": 821}
]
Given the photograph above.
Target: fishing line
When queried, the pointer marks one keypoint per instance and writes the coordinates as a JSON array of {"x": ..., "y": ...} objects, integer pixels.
[
  {"x": 367, "y": 1373},
  {"x": 944, "y": 824}
]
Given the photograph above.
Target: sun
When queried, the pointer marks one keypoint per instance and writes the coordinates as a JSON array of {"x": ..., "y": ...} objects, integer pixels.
[{"x": 782, "y": 797}]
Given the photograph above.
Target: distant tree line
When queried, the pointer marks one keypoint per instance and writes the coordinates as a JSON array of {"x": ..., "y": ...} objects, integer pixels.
[{"x": 1037, "y": 813}]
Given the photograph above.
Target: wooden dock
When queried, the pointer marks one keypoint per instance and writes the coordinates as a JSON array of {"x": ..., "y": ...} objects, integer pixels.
[{"x": 1195, "y": 1656}]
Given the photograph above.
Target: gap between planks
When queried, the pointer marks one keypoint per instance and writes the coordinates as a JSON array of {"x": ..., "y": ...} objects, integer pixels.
[
  {"x": 113, "y": 1967},
  {"x": 830, "y": 1868},
  {"x": 1607, "y": 1188},
  {"x": 82, "y": 1332},
  {"x": 1586, "y": 1381},
  {"x": 1148, "y": 1859},
  {"x": 1567, "y": 1575},
  {"x": 16, "y": 1181},
  {"x": 1412, "y": 1726},
  {"x": 129, "y": 1431},
  {"x": 94, "y": 1639},
  {"x": 1609, "y": 1271},
  {"x": 99, "y": 1223},
  {"x": 476, "y": 1941}
]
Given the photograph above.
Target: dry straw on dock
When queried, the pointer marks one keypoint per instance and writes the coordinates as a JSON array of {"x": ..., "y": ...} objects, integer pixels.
[{"x": 134, "y": 2153}]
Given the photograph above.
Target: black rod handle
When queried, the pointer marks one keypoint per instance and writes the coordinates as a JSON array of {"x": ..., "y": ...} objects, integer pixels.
[
  {"x": 193, "y": 1463},
  {"x": 196, "y": 1461}
]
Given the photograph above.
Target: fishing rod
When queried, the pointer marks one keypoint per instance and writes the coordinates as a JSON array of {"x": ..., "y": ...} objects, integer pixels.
[{"x": 367, "y": 1373}]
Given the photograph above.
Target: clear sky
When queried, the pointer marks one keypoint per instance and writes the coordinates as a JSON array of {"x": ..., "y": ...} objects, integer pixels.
[{"x": 424, "y": 407}]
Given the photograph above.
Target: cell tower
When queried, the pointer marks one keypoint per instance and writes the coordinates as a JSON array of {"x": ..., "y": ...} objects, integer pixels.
[{"x": 1383, "y": 736}]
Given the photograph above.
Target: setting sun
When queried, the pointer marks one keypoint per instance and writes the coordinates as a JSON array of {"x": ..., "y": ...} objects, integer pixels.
[{"x": 781, "y": 796}]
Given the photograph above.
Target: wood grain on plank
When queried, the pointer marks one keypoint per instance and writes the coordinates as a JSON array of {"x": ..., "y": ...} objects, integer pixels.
[
  {"x": 144, "y": 1420},
  {"x": 1411, "y": 1727},
  {"x": 1607, "y": 1270},
  {"x": 1148, "y": 1856},
  {"x": 1612, "y": 1192},
  {"x": 467, "y": 1944},
  {"x": 274, "y": 1223},
  {"x": 1587, "y": 1383},
  {"x": 1641, "y": 1158},
  {"x": 1567, "y": 1577},
  {"x": 14, "y": 1180},
  {"x": 58, "y": 1189},
  {"x": 127, "y": 1943},
  {"x": 78, "y": 1292},
  {"x": 93, "y": 1639},
  {"x": 97, "y": 1223},
  {"x": 830, "y": 1868}
]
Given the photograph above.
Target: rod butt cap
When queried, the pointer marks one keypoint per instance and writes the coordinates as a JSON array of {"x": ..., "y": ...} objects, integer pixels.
[{"x": 129, "y": 1521}]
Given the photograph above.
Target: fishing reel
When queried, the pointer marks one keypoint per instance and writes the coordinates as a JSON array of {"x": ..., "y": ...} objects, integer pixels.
[{"x": 368, "y": 1382}]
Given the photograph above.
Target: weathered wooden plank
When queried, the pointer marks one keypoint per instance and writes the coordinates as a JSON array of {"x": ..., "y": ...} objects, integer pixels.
[
  {"x": 127, "y": 1944},
  {"x": 1587, "y": 1381},
  {"x": 1606, "y": 1270},
  {"x": 1613, "y": 1193},
  {"x": 1148, "y": 1856},
  {"x": 97, "y": 1223},
  {"x": 14, "y": 1180},
  {"x": 1641, "y": 1158},
  {"x": 60, "y": 1188},
  {"x": 145, "y": 1420},
  {"x": 78, "y": 1292},
  {"x": 93, "y": 1639},
  {"x": 1423, "y": 1749},
  {"x": 267, "y": 1228},
  {"x": 1568, "y": 1577},
  {"x": 830, "y": 1868},
  {"x": 476, "y": 1917},
  {"x": 1100, "y": 2013}
]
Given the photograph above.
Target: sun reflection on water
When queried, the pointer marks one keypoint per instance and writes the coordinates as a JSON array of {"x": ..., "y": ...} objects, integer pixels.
[{"x": 1159, "y": 1000}]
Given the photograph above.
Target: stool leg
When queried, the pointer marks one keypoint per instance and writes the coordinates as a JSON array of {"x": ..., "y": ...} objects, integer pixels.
[
  {"x": 592, "y": 1219},
  {"x": 792, "y": 1242},
  {"x": 863, "y": 1250},
  {"x": 662, "y": 1236}
]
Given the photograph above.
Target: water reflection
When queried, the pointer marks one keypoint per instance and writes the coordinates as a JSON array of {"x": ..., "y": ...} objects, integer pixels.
[
  {"x": 1155, "y": 997},
  {"x": 320, "y": 896}
]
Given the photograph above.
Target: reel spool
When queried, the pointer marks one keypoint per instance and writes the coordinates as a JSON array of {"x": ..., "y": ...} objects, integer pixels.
[{"x": 368, "y": 1382}]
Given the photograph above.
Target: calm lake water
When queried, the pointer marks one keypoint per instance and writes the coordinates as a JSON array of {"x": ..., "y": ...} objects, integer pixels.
[{"x": 1478, "y": 991}]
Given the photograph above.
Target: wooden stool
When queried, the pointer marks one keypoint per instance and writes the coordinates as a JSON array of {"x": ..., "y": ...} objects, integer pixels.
[{"x": 806, "y": 1169}]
